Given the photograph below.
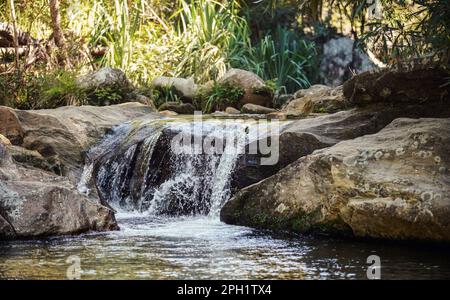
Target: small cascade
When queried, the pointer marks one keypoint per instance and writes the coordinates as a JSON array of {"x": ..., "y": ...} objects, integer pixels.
[{"x": 169, "y": 167}]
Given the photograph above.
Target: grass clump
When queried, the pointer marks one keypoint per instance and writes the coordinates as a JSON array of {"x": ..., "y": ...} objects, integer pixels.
[
  {"x": 163, "y": 94},
  {"x": 219, "y": 97}
]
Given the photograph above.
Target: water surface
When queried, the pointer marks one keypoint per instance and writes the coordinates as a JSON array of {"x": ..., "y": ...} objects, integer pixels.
[{"x": 204, "y": 248}]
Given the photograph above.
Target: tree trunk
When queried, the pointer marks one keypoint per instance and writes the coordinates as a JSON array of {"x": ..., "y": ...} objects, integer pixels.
[
  {"x": 15, "y": 33},
  {"x": 56, "y": 24},
  {"x": 315, "y": 10}
]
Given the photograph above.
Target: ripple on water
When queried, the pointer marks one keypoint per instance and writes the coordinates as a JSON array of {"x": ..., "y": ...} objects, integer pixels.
[{"x": 203, "y": 248}]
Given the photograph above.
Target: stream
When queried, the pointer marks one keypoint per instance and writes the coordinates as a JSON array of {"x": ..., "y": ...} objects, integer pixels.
[{"x": 168, "y": 206}]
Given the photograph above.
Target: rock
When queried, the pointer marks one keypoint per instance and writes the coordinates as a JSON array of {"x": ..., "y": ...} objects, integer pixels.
[
  {"x": 301, "y": 137},
  {"x": 145, "y": 100},
  {"x": 179, "y": 108},
  {"x": 255, "y": 90},
  {"x": 168, "y": 113},
  {"x": 232, "y": 111},
  {"x": 314, "y": 90},
  {"x": 36, "y": 203},
  {"x": 33, "y": 159},
  {"x": 6, "y": 230},
  {"x": 317, "y": 99},
  {"x": 392, "y": 185},
  {"x": 105, "y": 78},
  {"x": 283, "y": 100},
  {"x": 420, "y": 86},
  {"x": 38, "y": 196},
  {"x": 219, "y": 113},
  {"x": 10, "y": 126},
  {"x": 62, "y": 135},
  {"x": 186, "y": 89},
  {"x": 278, "y": 116},
  {"x": 339, "y": 56},
  {"x": 4, "y": 140},
  {"x": 256, "y": 109}
]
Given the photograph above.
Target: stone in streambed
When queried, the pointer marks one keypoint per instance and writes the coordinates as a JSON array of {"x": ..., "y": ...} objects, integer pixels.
[
  {"x": 232, "y": 111},
  {"x": 36, "y": 203},
  {"x": 179, "y": 108},
  {"x": 256, "y": 109},
  {"x": 393, "y": 185}
]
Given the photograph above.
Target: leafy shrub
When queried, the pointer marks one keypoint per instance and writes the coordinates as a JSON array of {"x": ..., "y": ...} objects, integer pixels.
[
  {"x": 22, "y": 91},
  {"x": 52, "y": 90},
  {"x": 210, "y": 35},
  {"x": 62, "y": 89},
  {"x": 283, "y": 58}
]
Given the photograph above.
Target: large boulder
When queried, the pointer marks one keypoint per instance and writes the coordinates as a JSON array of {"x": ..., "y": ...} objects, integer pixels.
[
  {"x": 419, "y": 86},
  {"x": 105, "y": 78},
  {"x": 339, "y": 57},
  {"x": 301, "y": 137},
  {"x": 186, "y": 89},
  {"x": 393, "y": 185},
  {"x": 37, "y": 203},
  {"x": 62, "y": 135},
  {"x": 255, "y": 89},
  {"x": 38, "y": 196}
]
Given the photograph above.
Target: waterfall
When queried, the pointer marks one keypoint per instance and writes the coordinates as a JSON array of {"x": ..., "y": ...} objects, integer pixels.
[{"x": 141, "y": 167}]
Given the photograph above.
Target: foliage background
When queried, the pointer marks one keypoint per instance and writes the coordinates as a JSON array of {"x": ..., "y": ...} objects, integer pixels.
[{"x": 277, "y": 39}]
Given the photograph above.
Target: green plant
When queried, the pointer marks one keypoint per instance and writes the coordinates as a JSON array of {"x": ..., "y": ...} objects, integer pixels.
[
  {"x": 161, "y": 95},
  {"x": 210, "y": 34},
  {"x": 283, "y": 58},
  {"x": 415, "y": 32},
  {"x": 219, "y": 97},
  {"x": 62, "y": 89},
  {"x": 105, "y": 96}
]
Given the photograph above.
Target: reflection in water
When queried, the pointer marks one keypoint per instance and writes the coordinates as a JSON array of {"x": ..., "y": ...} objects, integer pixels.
[{"x": 204, "y": 248}]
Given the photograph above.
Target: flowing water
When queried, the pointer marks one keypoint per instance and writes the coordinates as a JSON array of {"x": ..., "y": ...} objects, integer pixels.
[{"x": 168, "y": 201}]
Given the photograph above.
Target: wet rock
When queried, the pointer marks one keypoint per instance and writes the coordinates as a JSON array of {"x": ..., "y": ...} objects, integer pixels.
[
  {"x": 256, "y": 109},
  {"x": 148, "y": 174},
  {"x": 255, "y": 90},
  {"x": 392, "y": 185},
  {"x": 179, "y": 108},
  {"x": 186, "y": 89}
]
